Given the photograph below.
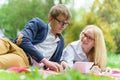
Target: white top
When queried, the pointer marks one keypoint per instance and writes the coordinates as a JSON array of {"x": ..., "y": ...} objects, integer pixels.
[
  {"x": 48, "y": 46},
  {"x": 73, "y": 52}
]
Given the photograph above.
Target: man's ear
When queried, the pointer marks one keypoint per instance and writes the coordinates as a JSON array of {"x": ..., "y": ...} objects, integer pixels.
[{"x": 50, "y": 18}]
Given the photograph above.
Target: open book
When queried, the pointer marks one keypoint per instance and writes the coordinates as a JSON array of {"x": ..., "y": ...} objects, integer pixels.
[{"x": 83, "y": 67}]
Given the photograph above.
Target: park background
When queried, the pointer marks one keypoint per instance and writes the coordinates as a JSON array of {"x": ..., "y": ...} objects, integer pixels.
[{"x": 14, "y": 14}]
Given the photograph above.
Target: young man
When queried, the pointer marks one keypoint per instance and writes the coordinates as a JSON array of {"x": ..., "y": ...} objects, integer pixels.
[{"x": 43, "y": 43}]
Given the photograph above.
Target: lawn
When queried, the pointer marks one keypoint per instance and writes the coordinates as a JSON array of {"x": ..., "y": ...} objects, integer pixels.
[{"x": 113, "y": 62}]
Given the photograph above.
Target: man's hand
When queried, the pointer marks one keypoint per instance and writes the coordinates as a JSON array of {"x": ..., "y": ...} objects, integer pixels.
[{"x": 52, "y": 65}]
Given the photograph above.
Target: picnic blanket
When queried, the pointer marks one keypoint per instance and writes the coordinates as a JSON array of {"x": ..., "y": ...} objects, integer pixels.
[
  {"x": 26, "y": 70},
  {"x": 114, "y": 73}
]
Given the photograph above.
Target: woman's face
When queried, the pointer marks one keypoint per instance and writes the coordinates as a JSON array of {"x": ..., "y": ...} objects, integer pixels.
[{"x": 88, "y": 40}]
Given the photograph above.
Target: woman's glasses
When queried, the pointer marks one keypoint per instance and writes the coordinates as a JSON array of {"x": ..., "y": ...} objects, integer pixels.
[{"x": 89, "y": 38}]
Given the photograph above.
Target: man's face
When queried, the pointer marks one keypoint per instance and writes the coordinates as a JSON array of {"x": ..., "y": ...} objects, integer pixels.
[{"x": 58, "y": 24}]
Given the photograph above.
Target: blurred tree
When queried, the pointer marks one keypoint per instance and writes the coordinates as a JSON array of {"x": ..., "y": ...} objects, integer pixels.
[
  {"x": 81, "y": 18},
  {"x": 109, "y": 11},
  {"x": 116, "y": 32},
  {"x": 15, "y": 14}
]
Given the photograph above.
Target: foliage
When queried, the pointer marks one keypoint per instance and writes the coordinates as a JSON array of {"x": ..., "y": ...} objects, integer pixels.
[
  {"x": 104, "y": 14},
  {"x": 73, "y": 30},
  {"x": 116, "y": 32},
  {"x": 109, "y": 11},
  {"x": 113, "y": 60},
  {"x": 110, "y": 43},
  {"x": 89, "y": 18},
  {"x": 15, "y": 14},
  {"x": 5, "y": 75}
]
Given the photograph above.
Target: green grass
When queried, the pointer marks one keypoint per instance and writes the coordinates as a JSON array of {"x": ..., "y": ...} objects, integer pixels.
[
  {"x": 113, "y": 62},
  {"x": 34, "y": 75}
]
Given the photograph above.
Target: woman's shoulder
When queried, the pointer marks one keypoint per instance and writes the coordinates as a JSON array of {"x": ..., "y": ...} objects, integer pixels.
[{"x": 75, "y": 43}]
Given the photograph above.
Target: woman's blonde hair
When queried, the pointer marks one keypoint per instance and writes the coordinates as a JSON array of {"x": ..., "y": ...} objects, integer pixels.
[{"x": 99, "y": 54}]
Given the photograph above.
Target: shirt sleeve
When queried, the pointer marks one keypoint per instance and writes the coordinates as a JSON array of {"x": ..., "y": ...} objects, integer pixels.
[{"x": 68, "y": 55}]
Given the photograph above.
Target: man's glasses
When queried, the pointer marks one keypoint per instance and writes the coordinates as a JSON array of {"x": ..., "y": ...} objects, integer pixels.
[
  {"x": 62, "y": 23},
  {"x": 89, "y": 38}
]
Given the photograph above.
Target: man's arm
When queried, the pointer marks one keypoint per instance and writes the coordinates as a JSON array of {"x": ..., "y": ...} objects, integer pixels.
[{"x": 29, "y": 33}]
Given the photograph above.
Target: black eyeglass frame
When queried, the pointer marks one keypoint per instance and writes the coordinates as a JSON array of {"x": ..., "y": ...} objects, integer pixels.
[
  {"x": 62, "y": 23},
  {"x": 88, "y": 37}
]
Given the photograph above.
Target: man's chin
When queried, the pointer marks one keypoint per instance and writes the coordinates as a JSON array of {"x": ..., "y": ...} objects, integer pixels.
[{"x": 59, "y": 32}]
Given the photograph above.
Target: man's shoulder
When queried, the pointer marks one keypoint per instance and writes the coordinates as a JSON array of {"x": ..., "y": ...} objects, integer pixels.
[
  {"x": 37, "y": 20},
  {"x": 39, "y": 23}
]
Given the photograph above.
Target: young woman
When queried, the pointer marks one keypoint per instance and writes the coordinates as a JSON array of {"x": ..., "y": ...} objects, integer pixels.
[{"x": 89, "y": 48}]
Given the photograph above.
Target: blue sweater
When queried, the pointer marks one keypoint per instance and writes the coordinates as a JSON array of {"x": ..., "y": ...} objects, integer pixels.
[{"x": 35, "y": 32}]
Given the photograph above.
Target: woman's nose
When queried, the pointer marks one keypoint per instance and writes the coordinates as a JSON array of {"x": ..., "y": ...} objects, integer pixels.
[{"x": 85, "y": 38}]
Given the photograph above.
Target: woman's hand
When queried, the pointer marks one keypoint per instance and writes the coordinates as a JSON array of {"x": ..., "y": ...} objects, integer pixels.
[
  {"x": 65, "y": 65},
  {"x": 108, "y": 70},
  {"x": 96, "y": 69}
]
